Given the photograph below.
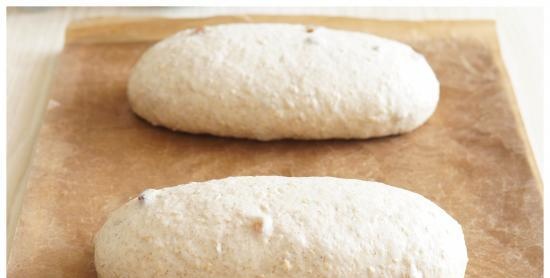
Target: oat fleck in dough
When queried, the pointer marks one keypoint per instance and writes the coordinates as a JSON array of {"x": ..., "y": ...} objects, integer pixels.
[
  {"x": 275, "y": 81},
  {"x": 270, "y": 226}
]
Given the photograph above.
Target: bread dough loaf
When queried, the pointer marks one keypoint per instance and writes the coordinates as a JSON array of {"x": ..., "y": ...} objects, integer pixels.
[
  {"x": 274, "y": 81},
  {"x": 269, "y": 226}
]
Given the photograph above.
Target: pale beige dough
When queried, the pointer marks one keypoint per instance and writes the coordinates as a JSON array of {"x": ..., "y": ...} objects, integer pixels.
[
  {"x": 275, "y": 81},
  {"x": 269, "y": 226}
]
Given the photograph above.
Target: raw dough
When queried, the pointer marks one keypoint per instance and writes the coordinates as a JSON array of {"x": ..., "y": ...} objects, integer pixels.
[
  {"x": 275, "y": 81},
  {"x": 270, "y": 226}
]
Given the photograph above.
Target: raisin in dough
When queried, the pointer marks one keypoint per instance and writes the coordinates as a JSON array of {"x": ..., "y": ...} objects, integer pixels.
[
  {"x": 270, "y": 226},
  {"x": 275, "y": 81}
]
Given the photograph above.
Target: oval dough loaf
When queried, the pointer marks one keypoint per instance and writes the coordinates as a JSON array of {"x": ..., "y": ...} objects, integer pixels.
[
  {"x": 271, "y": 226},
  {"x": 275, "y": 81}
]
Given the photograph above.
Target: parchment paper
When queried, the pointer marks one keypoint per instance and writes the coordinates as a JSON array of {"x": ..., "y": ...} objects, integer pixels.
[{"x": 93, "y": 154}]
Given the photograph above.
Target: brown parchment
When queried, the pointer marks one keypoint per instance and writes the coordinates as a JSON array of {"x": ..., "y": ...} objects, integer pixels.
[{"x": 93, "y": 154}]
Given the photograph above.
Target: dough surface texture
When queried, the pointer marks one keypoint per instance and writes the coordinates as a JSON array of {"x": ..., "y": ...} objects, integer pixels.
[
  {"x": 270, "y": 226},
  {"x": 277, "y": 81}
]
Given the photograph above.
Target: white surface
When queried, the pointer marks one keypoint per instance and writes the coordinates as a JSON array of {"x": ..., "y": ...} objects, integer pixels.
[
  {"x": 270, "y": 226},
  {"x": 287, "y": 80},
  {"x": 35, "y": 37}
]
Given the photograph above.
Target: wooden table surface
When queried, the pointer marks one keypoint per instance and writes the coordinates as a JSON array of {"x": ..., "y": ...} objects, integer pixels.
[{"x": 35, "y": 38}]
